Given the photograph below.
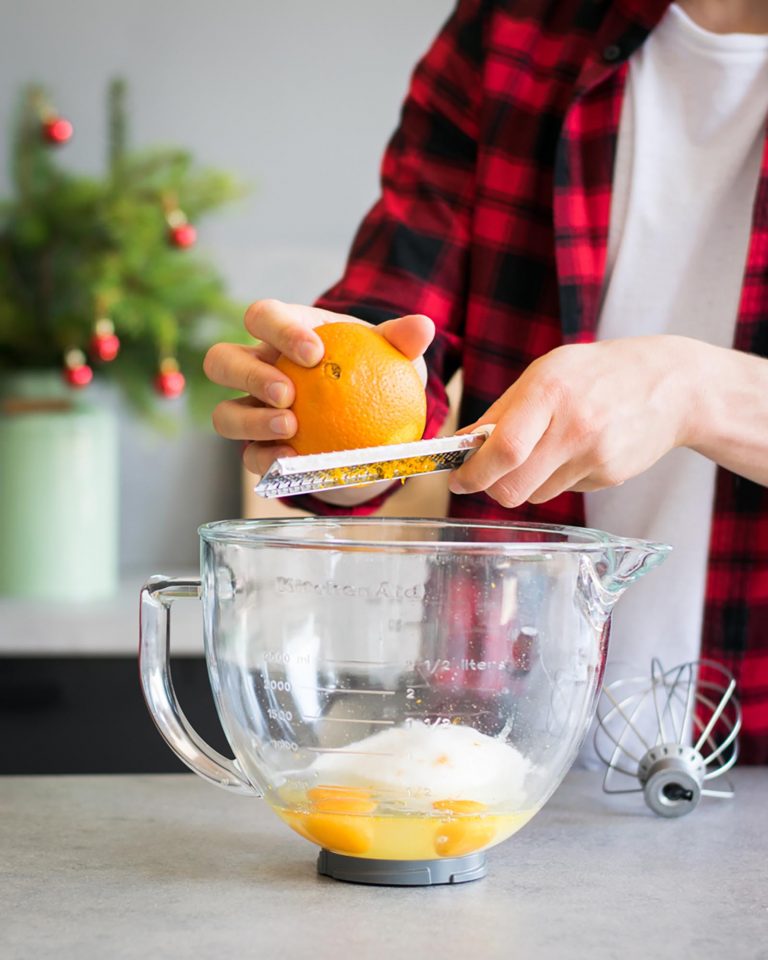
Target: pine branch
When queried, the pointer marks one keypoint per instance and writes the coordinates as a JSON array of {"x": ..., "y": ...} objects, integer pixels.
[
  {"x": 117, "y": 130},
  {"x": 75, "y": 248},
  {"x": 31, "y": 165}
]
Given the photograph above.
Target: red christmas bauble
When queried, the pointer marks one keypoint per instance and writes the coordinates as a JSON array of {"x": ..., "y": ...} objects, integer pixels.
[
  {"x": 57, "y": 130},
  {"x": 104, "y": 346},
  {"x": 78, "y": 376},
  {"x": 170, "y": 383},
  {"x": 183, "y": 236}
]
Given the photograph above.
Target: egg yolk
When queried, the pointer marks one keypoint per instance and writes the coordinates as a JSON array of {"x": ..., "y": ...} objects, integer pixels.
[
  {"x": 345, "y": 820},
  {"x": 460, "y": 837},
  {"x": 341, "y": 800}
]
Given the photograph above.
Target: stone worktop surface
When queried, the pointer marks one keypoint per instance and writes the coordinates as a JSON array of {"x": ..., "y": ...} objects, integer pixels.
[{"x": 167, "y": 866}]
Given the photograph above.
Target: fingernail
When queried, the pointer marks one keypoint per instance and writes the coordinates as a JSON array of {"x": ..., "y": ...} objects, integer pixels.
[
  {"x": 455, "y": 487},
  {"x": 278, "y": 394},
  {"x": 310, "y": 352},
  {"x": 279, "y": 426}
]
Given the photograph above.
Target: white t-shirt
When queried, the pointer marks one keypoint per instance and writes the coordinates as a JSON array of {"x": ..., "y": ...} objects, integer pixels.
[{"x": 691, "y": 137}]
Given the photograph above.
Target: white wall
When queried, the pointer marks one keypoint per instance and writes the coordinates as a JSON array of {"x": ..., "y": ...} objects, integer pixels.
[{"x": 295, "y": 96}]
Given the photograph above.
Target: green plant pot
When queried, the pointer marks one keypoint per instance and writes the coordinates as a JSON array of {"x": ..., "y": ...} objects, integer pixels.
[{"x": 58, "y": 491}]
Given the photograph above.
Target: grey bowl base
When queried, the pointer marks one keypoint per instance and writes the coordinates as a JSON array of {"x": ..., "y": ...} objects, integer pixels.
[{"x": 402, "y": 873}]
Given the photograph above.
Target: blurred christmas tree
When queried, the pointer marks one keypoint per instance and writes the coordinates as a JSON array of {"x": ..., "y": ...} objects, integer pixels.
[{"x": 97, "y": 274}]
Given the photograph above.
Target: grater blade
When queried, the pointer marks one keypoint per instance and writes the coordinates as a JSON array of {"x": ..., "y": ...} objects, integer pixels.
[{"x": 291, "y": 476}]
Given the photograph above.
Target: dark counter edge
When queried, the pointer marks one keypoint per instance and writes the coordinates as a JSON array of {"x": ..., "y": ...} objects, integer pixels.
[{"x": 84, "y": 714}]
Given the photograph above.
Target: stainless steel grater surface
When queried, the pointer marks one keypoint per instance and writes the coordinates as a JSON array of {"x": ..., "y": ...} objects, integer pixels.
[{"x": 290, "y": 476}]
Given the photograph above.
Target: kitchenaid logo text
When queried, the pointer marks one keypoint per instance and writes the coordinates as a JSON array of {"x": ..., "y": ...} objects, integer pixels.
[{"x": 330, "y": 588}]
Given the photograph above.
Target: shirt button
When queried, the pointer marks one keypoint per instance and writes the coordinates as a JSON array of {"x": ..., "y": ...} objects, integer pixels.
[{"x": 612, "y": 53}]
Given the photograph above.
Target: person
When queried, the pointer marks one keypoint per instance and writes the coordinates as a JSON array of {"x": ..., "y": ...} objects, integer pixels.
[{"x": 574, "y": 210}]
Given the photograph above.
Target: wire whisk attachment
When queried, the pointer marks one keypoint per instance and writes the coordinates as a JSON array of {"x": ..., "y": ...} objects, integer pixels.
[{"x": 668, "y": 735}]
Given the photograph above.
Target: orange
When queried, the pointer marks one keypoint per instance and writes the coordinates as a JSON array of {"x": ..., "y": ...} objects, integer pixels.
[{"x": 363, "y": 393}]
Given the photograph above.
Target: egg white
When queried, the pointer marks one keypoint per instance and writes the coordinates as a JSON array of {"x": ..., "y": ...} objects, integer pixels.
[{"x": 420, "y": 764}]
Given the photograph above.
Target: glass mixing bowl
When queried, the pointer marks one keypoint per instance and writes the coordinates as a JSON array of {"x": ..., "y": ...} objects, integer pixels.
[{"x": 402, "y": 692}]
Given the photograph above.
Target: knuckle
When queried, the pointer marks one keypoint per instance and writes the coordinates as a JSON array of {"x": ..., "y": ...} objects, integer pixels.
[
  {"x": 269, "y": 306},
  {"x": 253, "y": 458},
  {"x": 277, "y": 324},
  {"x": 252, "y": 314},
  {"x": 505, "y": 493},
  {"x": 293, "y": 337},
  {"x": 214, "y": 360},
  {"x": 603, "y": 451},
  {"x": 510, "y": 448},
  {"x": 551, "y": 381},
  {"x": 259, "y": 457},
  {"x": 218, "y": 417},
  {"x": 259, "y": 311},
  {"x": 583, "y": 428},
  {"x": 563, "y": 354},
  {"x": 600, "y": 454},
  {"x": 560, "y": 391},
  {"x": 252, "y": 382},
  {"x": 609, "y": 476},
  {"x": 253, "y": 423}
]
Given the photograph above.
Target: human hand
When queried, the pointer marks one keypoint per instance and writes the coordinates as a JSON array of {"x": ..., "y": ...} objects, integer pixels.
[
  {"x": 262, "y": 416},
  {"x": 584, "y": 417}
]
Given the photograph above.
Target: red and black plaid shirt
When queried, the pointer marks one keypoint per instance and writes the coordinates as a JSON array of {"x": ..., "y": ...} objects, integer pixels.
[{"x": 493, "y": 220}]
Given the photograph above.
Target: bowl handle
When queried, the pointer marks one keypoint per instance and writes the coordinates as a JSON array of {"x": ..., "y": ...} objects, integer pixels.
[{"x": 157, "y": 595}]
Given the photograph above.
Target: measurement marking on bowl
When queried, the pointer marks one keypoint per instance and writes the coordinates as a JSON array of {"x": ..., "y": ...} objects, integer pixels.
[
  {"x": 386, "y": 723},
  {"x": 364, "y": 663},
  {"x": 371, "y": 693}
]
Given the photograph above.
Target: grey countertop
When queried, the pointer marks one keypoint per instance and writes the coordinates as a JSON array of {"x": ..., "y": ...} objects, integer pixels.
[{"x": 167, "y": 866}]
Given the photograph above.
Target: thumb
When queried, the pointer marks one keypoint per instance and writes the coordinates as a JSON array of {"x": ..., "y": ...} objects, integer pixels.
[{"x": 411, "y": 334}]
